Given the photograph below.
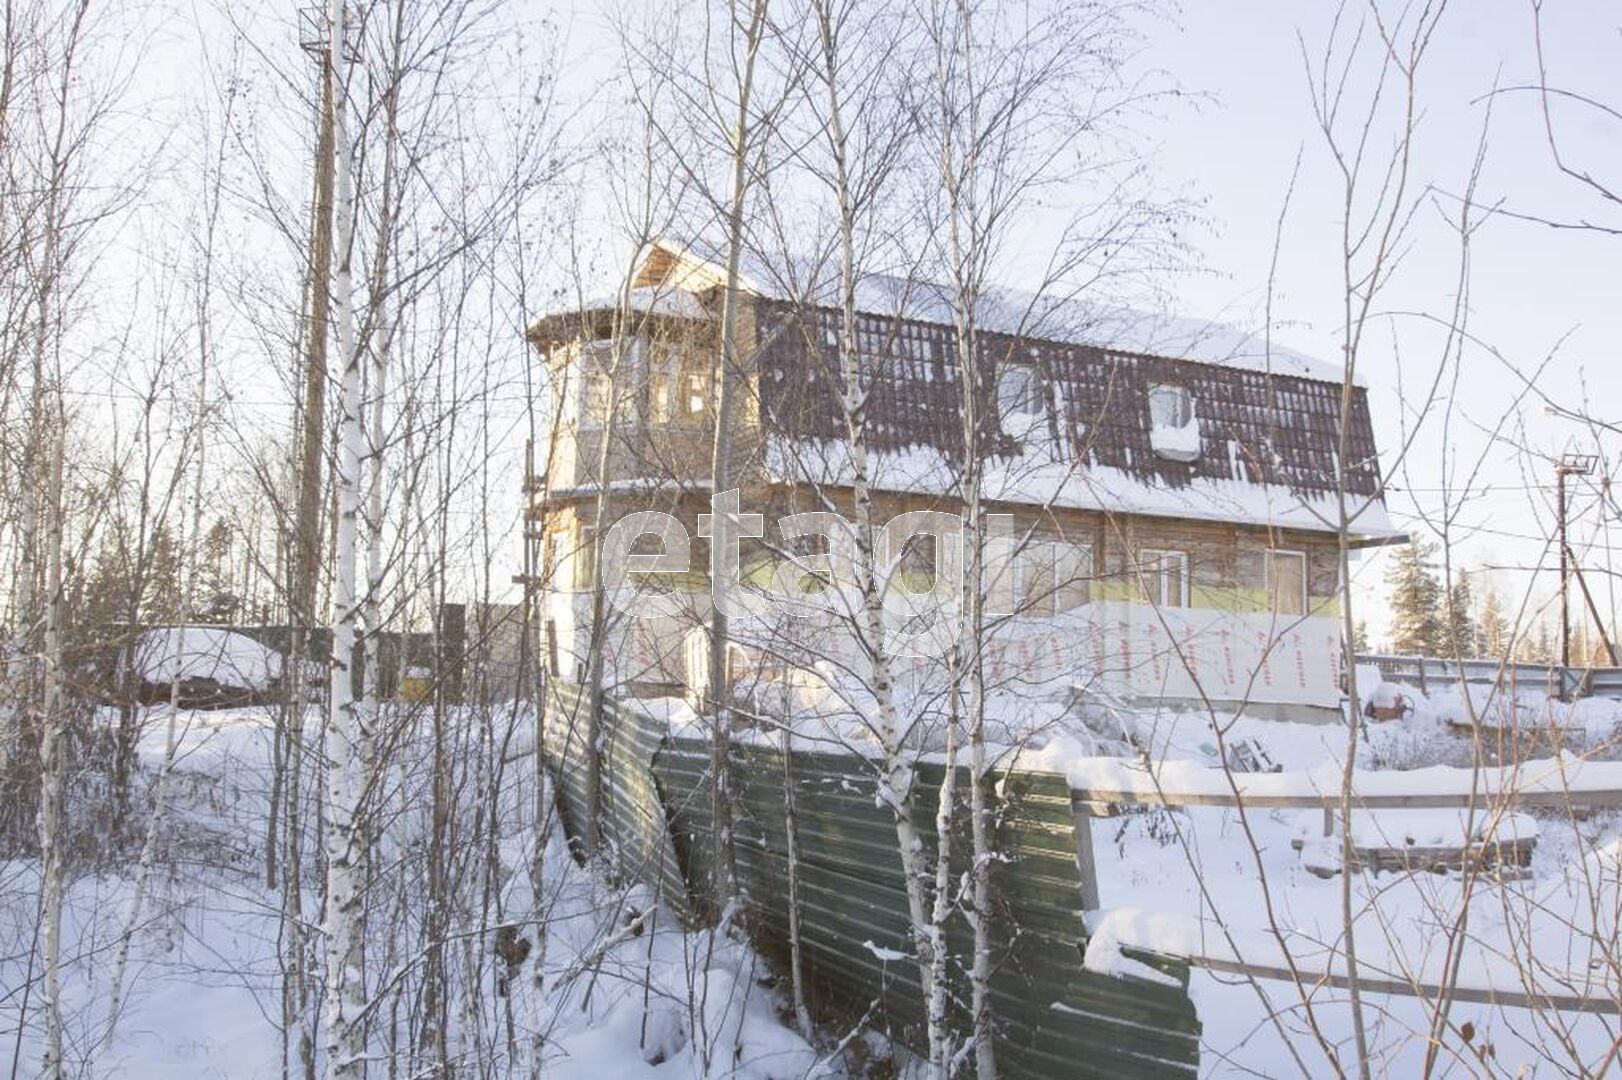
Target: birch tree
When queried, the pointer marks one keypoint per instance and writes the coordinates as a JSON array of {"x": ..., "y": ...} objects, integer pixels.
[
  {"x": 747, "y": 30},
  {"x": 191, "y": 544},
  {"x": 1372, "y": 226},
  {"x": 1017, "y": 104},
  {"x": 57, "y": 90},
  {"x": 855, "y": 157},
  {"x": 343, "y": 838}
]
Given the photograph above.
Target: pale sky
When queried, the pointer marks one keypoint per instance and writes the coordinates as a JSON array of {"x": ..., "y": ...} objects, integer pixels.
[{"x": 1531, "y": 286}]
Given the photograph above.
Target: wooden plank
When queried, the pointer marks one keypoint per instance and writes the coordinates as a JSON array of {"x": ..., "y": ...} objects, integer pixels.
[
  {"x": 1086, "y": 863},
  {"x": 1378, "y": 984},
  {"x": 1090, "y": 798}
]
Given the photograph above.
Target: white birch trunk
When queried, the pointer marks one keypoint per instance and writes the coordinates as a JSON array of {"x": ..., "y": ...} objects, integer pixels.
[
  {"x": 47, "y": 512},
  {"x": 942, "y": 1049},
  {"x": 370, "y": 709},
  {"x": 802, "y": 1015},
  {"x": 345, "y": 994},
  {"x": 968, "y": 673},
  {"x": 896, "y": 784},
  {"x": 721, "y": 461},
  {"x": 966, "y": 256},
  {"x": 377, "y": 391},
  {"x": 972, "y": 674},
  {"x": 52, "y": 870}
]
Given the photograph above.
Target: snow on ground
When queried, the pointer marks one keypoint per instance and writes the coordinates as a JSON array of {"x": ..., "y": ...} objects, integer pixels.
[
  {"x": 1185, "y": 881},
  {"x": 204, "y": 979},
  {"x": 1423, "y": 828},
  {"x": 1589, "y": 723},
  {"x": 204, "y": 983},
  {"x": 1206, "y": 881},
  {"x": 1190, "y": 882}
]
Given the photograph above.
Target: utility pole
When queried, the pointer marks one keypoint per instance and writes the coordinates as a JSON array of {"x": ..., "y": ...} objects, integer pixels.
[
  {"x": 1568, "y": 465},
  {"x": 304, "y": 551},
  {"x": 318, "y": 298}
]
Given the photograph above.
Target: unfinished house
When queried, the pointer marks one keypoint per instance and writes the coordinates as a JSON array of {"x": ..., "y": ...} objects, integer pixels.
[{"x": 1175, "y": 491}]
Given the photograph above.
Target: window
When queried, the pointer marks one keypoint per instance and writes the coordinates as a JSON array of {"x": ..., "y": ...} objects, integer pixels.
[
  {"x": 1034, "y": 580},
  {"x": 549, "y": 555},
  {"x": 650, "y": 543},
  {"x": 917, "y": 569},
  {"x": 585, "y": 558},
  {"x": 1019, "y": 393},
  {"x": 1073, "y": 570},
  {"x": 1170, "y": 407},
  {"x": 1165, "y": 577},
  {"x": 807, "y": 564},
  {"x": 600, "y": 383},
  {"x": 678, "y": 390},
  {"x": 1051, "y": 577},
  {"x": 1287, "y": 582},
  {"x": 661, "y": 396},
  {"x": 1174, "y": 433},
  {"x": 608, "y": 381}
]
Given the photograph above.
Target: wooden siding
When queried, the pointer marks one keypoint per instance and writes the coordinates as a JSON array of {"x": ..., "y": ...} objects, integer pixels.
[{"x": 1227, "y": 562}]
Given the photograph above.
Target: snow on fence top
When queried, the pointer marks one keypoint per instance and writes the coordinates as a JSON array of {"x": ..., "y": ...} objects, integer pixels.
[
  {"x": 1555, "y": 781},
  {"x": 206, "y": 652}
]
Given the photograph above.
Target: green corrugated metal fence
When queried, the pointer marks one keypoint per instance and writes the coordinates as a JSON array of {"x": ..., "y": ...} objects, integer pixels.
[
  {"x": 635, "y": 830},
  {"x": 1054, "y": 1018}
]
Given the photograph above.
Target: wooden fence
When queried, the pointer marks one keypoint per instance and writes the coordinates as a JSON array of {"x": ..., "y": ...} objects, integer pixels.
[
  {"x": 1430, "y": 672},
  {"x": 1098, "y": 801}
]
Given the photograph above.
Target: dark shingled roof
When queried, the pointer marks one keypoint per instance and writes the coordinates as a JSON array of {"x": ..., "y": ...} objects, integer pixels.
[{"x": 1256, "y": 427}]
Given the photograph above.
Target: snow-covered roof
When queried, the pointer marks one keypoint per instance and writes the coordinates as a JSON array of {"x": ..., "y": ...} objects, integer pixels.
[
  {"x": 663, "y": 300},
  {"x": 1260, "y": 444},
  {"x": 206, "y": 652},
  {"x": 1012, "y": 311},
  {"x": 923, "y": 471}
]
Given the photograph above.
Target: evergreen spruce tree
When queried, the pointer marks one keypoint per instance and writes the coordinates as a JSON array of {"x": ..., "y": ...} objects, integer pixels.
[
  {"x": 1460, "y": 633},
  {"x": 160, "y": 591},
  {"x": 1543, "y": 647},
  {"x": 1582, "y": 644},
  {"x": 1493, "y": 627},
  {"x": 1417, "y": 626},
  {"x": 219, "y": 601}
]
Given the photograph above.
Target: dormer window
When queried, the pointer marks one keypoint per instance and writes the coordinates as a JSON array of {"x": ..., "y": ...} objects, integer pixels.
[
  {"x": 1019, "y": 398},
  {"x": 1170, "y": 406},
  {"x": 1174, "y": 431}
]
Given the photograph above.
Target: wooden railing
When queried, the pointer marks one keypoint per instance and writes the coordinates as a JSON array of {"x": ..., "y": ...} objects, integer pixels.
[
  {"x": 1430, "y": 672},
  {"x": 1601, "y": 790}
]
